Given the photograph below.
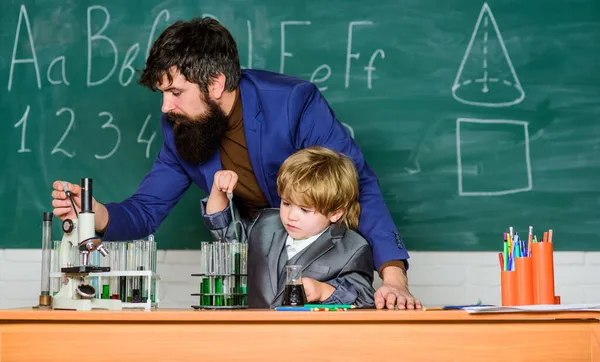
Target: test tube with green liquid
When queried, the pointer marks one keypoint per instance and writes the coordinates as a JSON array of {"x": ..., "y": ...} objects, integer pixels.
[
  {"x": 244, "y": 270},
  {"x": 207, "y": 270},
  {"x": 218, "y": 279},
  {"x": 153, "y": 266}
]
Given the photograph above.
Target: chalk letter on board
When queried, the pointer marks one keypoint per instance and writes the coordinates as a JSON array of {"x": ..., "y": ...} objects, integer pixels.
[
  {"x": 135, "y": 49},
  {"x": 207, "y": 15},
  {"x": 148, "y": 142},
  {"x": 153, "y": 30},
  {"x": 349, "y": 53},
  {"x": 62, "y": 139},
  {"x": 99, "y": 36},
  {"x": 324, "y": 78},
  {"x": 33, "y": 59},
  {"x": 60, "y": 59},
  {"x": 23, "y": 121},
  {"x": 349, "y": 128},
  {"x": 283, "y": 52},
  {"x": 369, "y": 68},
  {"x": 109, "y": 124},
  {"x": 249, "y": 25}
]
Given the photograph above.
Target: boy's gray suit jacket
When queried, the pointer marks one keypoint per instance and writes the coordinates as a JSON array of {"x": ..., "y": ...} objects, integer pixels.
[{"x": 339, "y": 257}]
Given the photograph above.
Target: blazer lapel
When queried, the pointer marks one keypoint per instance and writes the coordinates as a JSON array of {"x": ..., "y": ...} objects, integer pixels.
[
  {"x": 277, "y": 246},
  {"x": 252, "y": 117},
  {"x": 315, "y": 250}
]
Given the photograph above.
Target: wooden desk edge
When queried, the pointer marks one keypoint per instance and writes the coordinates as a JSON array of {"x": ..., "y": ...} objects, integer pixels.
[{"x": 189, "y": 315}]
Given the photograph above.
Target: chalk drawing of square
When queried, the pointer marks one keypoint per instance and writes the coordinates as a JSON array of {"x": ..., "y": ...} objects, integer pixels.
[{"x": 486, "y": 144}]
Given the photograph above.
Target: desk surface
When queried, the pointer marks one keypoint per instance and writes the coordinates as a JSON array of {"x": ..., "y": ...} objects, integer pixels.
[
  {"x": 189, "y": 315},
  {"x": 264, "y": 335}
]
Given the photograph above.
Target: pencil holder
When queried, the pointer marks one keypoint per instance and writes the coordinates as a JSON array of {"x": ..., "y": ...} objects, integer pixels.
[
  {"x": 524, "y": 270},
  {"x": 543, "y": 272},
  {"x": 510, "y": 288},
  {"x": 223, "y": 275}
]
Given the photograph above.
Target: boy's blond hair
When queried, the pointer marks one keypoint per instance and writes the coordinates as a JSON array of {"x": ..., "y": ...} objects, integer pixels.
[{"x": 319, "y": 178}]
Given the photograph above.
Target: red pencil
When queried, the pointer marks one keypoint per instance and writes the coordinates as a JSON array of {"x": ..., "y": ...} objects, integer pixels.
[{"x": 501, "y": 257}]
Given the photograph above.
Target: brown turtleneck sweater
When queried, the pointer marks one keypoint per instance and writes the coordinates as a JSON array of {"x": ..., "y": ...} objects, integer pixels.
[{"x": 234, "y": 156}]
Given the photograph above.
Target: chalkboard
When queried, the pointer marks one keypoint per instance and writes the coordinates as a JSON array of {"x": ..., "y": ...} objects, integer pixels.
[{"x": 475, "y": 116}]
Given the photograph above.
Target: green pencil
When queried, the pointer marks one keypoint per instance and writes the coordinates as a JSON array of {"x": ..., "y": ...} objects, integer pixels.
[
  {"x": 505, "y": 256},
  {"x": 330, "y": 306}
]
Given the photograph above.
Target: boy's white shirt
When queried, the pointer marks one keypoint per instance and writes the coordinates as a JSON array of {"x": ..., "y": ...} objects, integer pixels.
[{"x": 294, "y": 246}]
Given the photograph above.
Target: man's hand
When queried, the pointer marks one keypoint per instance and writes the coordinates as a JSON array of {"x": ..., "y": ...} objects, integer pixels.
[
  {"x": 64, "y": 210},
  {"x": 392, "y": 296},
  {"x": 316, "y": 291},
  {"x": 394, "y": 293}
]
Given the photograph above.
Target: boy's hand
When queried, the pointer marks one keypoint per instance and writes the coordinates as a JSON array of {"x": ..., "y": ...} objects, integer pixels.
[
  {"x": 225, "y": 181},
  {"x": 316, "y": 291}
]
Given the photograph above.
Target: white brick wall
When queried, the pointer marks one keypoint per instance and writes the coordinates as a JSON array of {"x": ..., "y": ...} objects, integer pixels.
[{"x": 435, "y": 278}]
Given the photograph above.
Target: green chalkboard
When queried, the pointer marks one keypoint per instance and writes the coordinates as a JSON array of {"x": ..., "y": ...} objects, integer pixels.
[{"x": 474, "y": 115}]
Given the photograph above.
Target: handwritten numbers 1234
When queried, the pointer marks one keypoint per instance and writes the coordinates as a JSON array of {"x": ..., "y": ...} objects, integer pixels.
[{"x": 108, "y": 130}]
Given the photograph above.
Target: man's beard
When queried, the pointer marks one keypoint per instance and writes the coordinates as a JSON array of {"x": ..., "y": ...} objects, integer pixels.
[{"x": 197, "y": 139}]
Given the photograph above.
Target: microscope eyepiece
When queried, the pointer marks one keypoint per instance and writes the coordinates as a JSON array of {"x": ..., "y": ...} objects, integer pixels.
[{"x": 86, "y": 195}]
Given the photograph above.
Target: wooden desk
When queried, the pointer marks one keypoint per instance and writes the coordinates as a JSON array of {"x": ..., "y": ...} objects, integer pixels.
[{"x": 256, "y": 335}]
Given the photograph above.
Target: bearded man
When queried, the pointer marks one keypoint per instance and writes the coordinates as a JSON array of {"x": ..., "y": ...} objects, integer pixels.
[{"x": 218, "y": 117}]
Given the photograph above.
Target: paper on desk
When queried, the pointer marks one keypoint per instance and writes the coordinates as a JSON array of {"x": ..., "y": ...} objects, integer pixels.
[{"x": 535, "y": 308}]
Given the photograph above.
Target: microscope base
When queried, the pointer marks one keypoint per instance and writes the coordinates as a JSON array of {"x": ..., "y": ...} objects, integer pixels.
[{"x": 86, "y": 304}]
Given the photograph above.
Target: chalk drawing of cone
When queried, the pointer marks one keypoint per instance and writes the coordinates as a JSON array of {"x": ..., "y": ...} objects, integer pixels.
[{"x": 486, "y": 76}]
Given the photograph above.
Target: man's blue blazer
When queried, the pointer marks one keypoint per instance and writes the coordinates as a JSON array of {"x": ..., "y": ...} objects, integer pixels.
[{"x": 281, "y": 115}]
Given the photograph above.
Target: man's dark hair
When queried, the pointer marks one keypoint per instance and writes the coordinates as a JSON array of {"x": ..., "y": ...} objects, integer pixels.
[{"x": 200, "y": 49}]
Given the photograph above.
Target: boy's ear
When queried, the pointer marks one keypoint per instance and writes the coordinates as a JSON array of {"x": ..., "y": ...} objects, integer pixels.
[{"x": 336, "y": 215}]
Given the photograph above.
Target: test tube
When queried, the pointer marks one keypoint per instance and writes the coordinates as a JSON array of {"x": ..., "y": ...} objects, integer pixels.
[
  {"x": 45, "y": 298},
  {"x": 202, "y": 272},
  {"x": 105, "y": 281},
  {"x": 206, "y": 270},
  {"x": 153, "y": 266},
  {"x": 244, "y": 270},
  {"x": 227, "y": 279},
  {"x": 122, "y": 267},
  {"x": 94, "y": 260},
  {"x": 218, "y": 279},
  {"x": 147, "y": 256},
  {"x": 113, "y": 247},
  {"x": 131, "y": 267},
  {"x": 235, "y": 271},
  {"x": 55, "y": 266},
  {"x": 137, "y": 292}
]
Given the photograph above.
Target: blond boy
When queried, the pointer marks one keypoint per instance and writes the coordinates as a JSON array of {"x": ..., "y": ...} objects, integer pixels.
[{"x": 314, "y": 227}]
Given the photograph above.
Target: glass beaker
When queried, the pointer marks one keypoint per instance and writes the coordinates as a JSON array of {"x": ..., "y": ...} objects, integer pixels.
[{"x": 293, "y": 294}]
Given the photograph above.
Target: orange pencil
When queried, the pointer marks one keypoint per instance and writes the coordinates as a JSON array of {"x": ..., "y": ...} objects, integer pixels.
[{"x": 545, "y": 237}]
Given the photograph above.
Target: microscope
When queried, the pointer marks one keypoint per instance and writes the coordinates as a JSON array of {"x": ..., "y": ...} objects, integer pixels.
[{"x": 79, "y": 240}]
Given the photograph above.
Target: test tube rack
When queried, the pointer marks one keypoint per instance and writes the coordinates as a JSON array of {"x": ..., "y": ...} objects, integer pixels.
[
  {"x": 149, "y": 279},
  {"x": 223, "y": 276},
  {"x": 132, "y": 277}
]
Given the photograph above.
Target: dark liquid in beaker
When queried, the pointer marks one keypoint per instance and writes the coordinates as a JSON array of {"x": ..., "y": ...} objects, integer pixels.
[{"x": 294, "y": 295}]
